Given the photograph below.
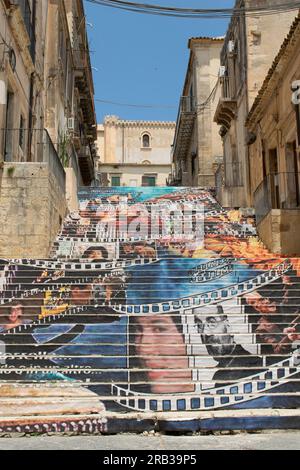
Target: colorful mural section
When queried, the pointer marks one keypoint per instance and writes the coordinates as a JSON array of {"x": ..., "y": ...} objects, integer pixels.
[{"x": 147, "y": 321}]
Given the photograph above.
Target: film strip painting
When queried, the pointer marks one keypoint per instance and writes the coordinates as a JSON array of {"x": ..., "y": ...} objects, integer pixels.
[
  {"x": 153, "y": 324},
  {"x": 240, "y": 392},
  {"x": 207, "y": 298}
]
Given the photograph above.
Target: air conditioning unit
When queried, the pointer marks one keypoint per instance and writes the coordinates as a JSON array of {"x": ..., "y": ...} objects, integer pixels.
[
  {"x": 71, "y": 124},
  {"x": 231, "y": 47},
  {"x": 222, "y": 71}
]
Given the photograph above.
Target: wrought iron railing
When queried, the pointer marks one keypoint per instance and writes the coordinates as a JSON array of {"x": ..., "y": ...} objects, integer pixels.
[
  {"x": 187, "y": 104},
  {"x": 277, "y": 191},
  {"x": 227, "y": 87},
  {"x": 24, "y": 146},
  {"x": 51, "y": 157}
]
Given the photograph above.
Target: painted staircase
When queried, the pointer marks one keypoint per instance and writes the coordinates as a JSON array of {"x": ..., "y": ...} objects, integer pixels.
[{"x": 157, "y": 309}]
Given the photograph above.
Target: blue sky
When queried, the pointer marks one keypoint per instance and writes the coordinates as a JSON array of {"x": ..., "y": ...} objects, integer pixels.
[{"x": 142, "y": 59}]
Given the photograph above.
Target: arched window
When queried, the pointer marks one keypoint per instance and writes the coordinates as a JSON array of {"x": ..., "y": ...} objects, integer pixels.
[
  {"x": 146, "y": 141},
  {"x": 146, "y": 162}
]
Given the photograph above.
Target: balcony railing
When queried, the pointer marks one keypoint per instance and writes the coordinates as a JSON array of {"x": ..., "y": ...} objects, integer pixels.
[
  {"x": 184, "y": 126},
  {"x": 187, "y": 104},
  {"x": 227, "y": 88},
  {"x": 277, "y": 191},
  {"x": 17, "y": 142},
  {"x": 51, "y": 157},
  {"x": 227, "y": 105}
]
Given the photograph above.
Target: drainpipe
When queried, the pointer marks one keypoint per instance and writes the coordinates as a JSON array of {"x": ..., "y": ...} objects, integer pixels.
[{"x": 30, "y": 118}]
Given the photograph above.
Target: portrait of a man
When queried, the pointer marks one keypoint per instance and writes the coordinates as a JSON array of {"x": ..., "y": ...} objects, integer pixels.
[{"x": 234, "y": 362}]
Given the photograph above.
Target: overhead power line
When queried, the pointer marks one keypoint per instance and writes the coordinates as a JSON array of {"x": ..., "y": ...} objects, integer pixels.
[
  {"x": 131, "y": 105},
  {"x": 158, "y": 106},
  {"x": 207, "y": 13}
]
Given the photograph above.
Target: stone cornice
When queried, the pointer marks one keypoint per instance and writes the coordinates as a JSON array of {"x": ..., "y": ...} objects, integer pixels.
[{"x": 140, "y": 124}]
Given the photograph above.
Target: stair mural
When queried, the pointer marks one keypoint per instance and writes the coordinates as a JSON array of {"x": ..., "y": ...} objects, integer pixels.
[{"x": 155, "y": 301}]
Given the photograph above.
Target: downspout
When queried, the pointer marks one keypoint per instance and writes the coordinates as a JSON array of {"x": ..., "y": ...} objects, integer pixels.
[{"x": 32, "y": 51}]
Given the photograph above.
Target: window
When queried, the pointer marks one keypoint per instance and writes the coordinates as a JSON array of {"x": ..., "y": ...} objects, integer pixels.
[
  {"x": 274, "y": 178},
  {"x": 22, "y": 133},
  {"x": 115, "y": 180},
  {"x": 290, "y": 193},
  {"x": 148, "y": 180},
  {"x": 146, "y": 162},
  {"x": 25, "y": 10},
  {"x": 146, "y": 141}
]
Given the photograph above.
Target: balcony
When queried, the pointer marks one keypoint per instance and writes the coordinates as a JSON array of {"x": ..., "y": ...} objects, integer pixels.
[
  {"x": 184, "y": 128},
  {"x": 86, "y": 164},
  {"x": 76, "y": 132},
  {"x": 277, "y": 191},
  {"x": 227, "y": 106},
  {"x": 84, "y": 84}
]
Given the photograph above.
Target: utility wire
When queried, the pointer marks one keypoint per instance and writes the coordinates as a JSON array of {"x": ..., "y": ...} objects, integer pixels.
[
  {"x": 207, "y": 13},
  {"x": 200, "y": 106},
  {"x": 136, "y": 105}
]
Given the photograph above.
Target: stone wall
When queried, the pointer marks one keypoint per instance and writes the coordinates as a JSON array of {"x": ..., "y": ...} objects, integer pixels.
[
  {"x": 32, "y": 207},
  {"x": 71, "y": 189},
  {"x": 279, "y": 231}
]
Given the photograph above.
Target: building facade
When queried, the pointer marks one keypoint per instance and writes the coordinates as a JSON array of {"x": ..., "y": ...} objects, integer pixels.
[
  {"x": 250, "y": 46},
  {"x": 197, "y": 144},
  {"x": 134, "y": 153},
  {"x": 69, "y": 91},
  {"x": 274, "y": 124},
  {"x": 47, "y": 120}
]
